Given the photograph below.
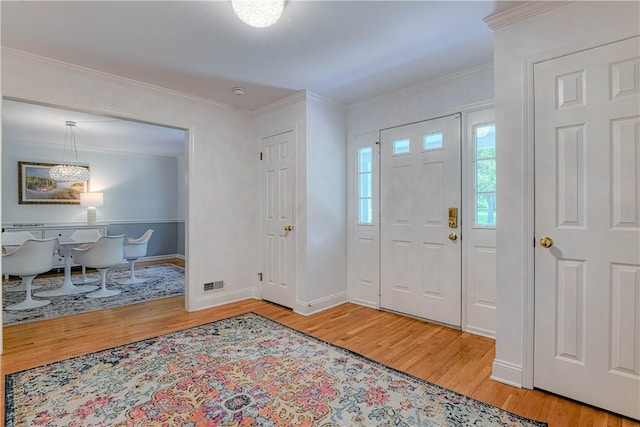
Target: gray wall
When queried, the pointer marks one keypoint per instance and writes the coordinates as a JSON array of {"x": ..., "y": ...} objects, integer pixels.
[{"x": 167, "y": 237}]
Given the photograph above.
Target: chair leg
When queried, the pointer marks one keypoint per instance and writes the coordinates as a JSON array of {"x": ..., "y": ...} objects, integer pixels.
[
  {"x": 103, "y": 291},
  {"x": 86, "y": 279},
  {"x": 21, "y": 287},
  {"x": 133, "y": 280},
  {"x": 28, "y": 301}
]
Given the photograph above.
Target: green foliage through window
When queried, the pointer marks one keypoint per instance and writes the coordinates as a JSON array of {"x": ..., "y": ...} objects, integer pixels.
[{"x": 485, "y": 175}]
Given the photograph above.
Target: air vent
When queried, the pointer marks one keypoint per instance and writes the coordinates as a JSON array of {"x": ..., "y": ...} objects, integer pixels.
[{"x": 213, "y": 286}]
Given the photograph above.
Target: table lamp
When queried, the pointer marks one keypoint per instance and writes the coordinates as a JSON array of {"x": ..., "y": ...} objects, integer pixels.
[{"x": 91, "y": 200}]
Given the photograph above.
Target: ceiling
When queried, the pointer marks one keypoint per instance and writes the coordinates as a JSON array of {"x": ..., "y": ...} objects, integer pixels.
[
  {"x": 347, "y": 51},
  {"x": 27, "y": 122}
]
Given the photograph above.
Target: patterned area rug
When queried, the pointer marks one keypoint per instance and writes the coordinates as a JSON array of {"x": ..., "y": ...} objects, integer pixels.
[
  {"x": 164, "y": 280},
  {"x": 242, "y": 371}
]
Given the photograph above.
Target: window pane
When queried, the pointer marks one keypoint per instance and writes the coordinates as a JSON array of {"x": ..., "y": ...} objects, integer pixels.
[
  {"x": 485, "y": 141},
  {"x": 401, "y": 146},
  {"x": 364, "y": 185},
  {"x": 486, "y": 175},
  {"x": 432, "y": 141},
  {"x": 365, "y": 213},
  {"x": 364, "y": 159},
  {"x": 486, "y": 209}
]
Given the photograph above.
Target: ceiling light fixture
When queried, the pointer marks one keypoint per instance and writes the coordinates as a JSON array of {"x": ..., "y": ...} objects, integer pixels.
[
  {"x": 239, "y": 90},
  {"x": 258, "y": 13},
  {"x": 69, "y": 171}
]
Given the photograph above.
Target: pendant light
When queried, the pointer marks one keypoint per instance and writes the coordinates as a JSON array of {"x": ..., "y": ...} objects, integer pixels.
[
  {"x": 258, "y": 13},
  {"x": 69, "y": 171}
]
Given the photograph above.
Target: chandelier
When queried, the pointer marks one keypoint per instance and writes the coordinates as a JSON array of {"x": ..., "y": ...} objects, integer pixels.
[
  {"x": 69, "y": 171},
  {"x": 258, "y": 13}
]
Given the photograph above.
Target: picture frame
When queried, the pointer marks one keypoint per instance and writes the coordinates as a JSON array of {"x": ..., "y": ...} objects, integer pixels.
[{"x": 36, "y": 188}]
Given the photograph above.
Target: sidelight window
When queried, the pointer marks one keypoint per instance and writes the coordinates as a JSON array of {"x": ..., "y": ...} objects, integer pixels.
[
  {"x": 365, "y": 185},
  {"x": 484, "y": 138}
]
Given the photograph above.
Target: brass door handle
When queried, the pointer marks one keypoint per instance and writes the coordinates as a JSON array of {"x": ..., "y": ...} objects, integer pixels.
[
  {"x": 546, "y": 242},
  {"x": 288, "y": 228},
  {"x": 453, "y": 237}
]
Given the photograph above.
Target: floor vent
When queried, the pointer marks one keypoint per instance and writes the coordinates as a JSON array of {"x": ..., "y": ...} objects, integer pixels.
[{"x": 213, "y": 286}]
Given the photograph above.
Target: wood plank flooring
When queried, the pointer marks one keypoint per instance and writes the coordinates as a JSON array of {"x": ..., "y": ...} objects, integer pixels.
[{"x": 453, "y": 359}]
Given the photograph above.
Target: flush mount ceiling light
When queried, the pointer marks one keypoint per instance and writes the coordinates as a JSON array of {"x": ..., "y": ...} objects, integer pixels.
[
  {"x": 239, "y": 90},
  {"x": 69, "y": 171},
  {"x": 258, "y": 13}
]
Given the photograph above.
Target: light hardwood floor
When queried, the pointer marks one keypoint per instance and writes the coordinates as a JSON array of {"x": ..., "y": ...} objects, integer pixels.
[{"x": 452, "y": 359}]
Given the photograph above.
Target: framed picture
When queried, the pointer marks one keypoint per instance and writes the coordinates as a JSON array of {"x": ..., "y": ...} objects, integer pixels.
[{"x": 35, "y": 186}]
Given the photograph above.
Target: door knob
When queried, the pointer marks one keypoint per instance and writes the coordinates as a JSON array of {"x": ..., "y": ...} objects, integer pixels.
[
  {"x": 453, "y": 237},
  {"x": 288, "y": 228},
  {"x": 546, "y": 242}
]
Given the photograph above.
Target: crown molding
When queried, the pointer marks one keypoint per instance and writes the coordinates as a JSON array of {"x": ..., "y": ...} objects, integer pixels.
[
  {"x": 521, "y": 12},
  {"x": 427, "y": 85},
  {"x": 327, "y": 101},
  {"x": 113, "y": 77},
  {"x": 284, "y": 102}
]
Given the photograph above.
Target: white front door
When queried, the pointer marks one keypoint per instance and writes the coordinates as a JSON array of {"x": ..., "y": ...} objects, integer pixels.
[
  {"x": 420, "y": 266},
  {"x": 587, "y": 226},
  {"x": 278, "y": 243}
]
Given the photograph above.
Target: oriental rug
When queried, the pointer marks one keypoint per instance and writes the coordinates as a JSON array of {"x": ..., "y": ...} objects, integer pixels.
[
  {"x": 243, "y": 371},
  {"x": 163, "y": 281}
]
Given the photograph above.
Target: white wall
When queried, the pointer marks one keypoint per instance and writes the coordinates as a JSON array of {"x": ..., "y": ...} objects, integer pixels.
[
  {"x": 136, "y": 187},
  {"x": 326, "y": 170},
  {"x": 320, "y": 213},
  {"x": 220, "y": 166},
  {"x": 518, "y": 44}
]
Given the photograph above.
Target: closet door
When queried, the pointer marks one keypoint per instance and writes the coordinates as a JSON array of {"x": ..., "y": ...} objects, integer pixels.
[
  {"x": 278, "y": 242},
  {"x": 587, "y": 226}
]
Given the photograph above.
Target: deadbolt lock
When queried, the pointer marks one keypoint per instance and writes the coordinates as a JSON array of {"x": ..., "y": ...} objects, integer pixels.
[
  {"x": 288, "y": 228},
  {"x": 453, "y": 217}
]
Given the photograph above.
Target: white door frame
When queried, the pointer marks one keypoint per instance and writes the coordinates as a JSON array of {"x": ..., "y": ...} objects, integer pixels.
[{"x": 528, "y": 223}]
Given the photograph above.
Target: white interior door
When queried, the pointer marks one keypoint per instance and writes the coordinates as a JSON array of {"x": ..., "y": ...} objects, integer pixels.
[
  {"x": 278, "y": 242},
  {"x": 587, "y": 196},
  {"x": 420, "y": 265}
]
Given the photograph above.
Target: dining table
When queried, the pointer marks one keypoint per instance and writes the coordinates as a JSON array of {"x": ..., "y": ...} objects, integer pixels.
[{"x": 68, "y": 287}]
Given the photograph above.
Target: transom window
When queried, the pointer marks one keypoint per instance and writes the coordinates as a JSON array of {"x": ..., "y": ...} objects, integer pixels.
[
  {"x": 365, "y": 184},
  {"x": 484, "y": 139}
]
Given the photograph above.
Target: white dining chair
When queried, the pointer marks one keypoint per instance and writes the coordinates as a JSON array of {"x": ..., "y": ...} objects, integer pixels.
[
  {"x": 12, "y": 240},
  {"x": 33, "y": 257},
  {"x": 89, "y": 236},
  {"x": 134, "y": 249},
  {"x": 106, "y": 252}
]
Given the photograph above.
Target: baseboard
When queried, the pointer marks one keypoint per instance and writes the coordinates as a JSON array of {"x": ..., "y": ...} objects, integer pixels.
[
  {"x": 321, "y": 304},
  {"x": 216, "y": 298},
  {"x": 125, "y": 263},
  {"x": 507, "y": 373},
  {"x": 480, "y": 331},
  {"x": 364, "y": 303}
]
